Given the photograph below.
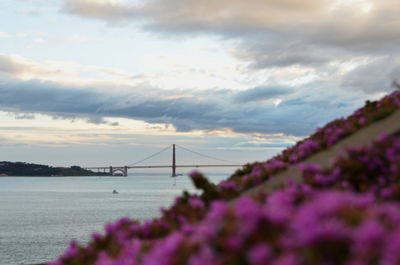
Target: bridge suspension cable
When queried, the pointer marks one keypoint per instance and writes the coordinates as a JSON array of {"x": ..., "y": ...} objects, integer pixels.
[
  {"x": 207, "y": 156},
  {"x": 151, "y": 156}
]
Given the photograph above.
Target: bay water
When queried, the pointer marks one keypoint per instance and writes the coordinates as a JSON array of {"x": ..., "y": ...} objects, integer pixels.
[{"x": 39, "y": 216}]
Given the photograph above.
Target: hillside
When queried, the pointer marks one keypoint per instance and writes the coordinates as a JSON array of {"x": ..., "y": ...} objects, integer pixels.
[
  {"x": 27, "y": 169},
  {"x": 335, "y": 200}
]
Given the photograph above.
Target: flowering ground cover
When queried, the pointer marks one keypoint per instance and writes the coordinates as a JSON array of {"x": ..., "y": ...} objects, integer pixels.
[
  {"x": 362, "y": 169},
  {"x": 348, "y": 213}
]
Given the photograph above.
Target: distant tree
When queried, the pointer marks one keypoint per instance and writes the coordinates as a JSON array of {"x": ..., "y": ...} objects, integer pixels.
[{"x": 27, "y": 169}]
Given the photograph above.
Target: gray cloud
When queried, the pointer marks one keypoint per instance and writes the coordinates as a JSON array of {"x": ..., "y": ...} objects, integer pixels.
[
  {"x": 374, "y": 76},
  {"x": 311, "y": 20},
  {"x": 205, "y": 14},
  {"x": 261, "y": 93},
  {"x": 109, "y": 11},
  {"x": 375, "y": 30},
  {"x": 271, "y": 34},
  {"x": 8, "y": 66},
  {"x": 206, "y": 110},
  {"x": 25, "y": 116},
  {"x": 282, "y": 51}
]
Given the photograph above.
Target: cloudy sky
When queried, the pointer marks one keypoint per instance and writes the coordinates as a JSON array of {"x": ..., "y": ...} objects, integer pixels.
[{"x": 100, "y": 82}]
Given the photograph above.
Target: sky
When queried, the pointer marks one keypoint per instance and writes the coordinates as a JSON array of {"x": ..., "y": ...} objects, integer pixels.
[{"x": 109, "y": 82}]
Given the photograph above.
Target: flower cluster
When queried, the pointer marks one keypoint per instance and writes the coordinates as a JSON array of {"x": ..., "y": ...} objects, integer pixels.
[
  {"x": 297, "y": 225},
  {"x": 374, "y": 169},
  {"x": 339, "y": 216}
]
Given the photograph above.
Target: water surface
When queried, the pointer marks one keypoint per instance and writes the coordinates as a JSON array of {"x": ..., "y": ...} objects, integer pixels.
[{"x": 40, "y": 215}]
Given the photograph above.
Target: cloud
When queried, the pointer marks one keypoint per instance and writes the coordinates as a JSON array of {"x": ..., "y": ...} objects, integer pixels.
[
  {"x": 204, "y": 15},
  {"x": 71, "y": 73},
  {"x": 5, "y": 35},
  {"x": 268, "y": 34},
  {"x": 261, "y": 93},
  {"x": 231, "y": 17},
  {"x": 109, "y": 10},
  {"x": 374, "y": 76},
  {"x": 25, "y": 116},
  {"x": 16, "y": 35},
  {"x": 283, "y": 51},
  {"x": 206, "y": 110},
  {"x": 343, "y": 23},
  {"x": 355, "y": 27},
  {"x": 10, "y": 66}
]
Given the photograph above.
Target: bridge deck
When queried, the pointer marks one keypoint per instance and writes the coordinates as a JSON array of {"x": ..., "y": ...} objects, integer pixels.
[{"x": 165, "y": 166}]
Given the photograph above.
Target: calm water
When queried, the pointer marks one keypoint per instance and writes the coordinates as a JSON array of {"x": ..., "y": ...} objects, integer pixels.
[{"x": 39, "y": 216}]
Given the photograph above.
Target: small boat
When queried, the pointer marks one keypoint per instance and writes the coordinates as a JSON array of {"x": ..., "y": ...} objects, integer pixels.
[{"x": 115, "y": 192}]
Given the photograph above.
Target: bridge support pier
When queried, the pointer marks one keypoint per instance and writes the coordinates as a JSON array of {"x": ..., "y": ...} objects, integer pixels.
[{"x": 114, "y": 170}]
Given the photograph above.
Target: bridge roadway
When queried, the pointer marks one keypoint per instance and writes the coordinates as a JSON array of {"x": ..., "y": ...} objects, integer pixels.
[{"x": 124, "y": 169}]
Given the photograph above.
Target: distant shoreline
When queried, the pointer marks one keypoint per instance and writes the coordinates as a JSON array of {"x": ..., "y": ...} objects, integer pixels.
[
  {"x": 22, "y": 169},
  {"x": 6, "y": 176}
]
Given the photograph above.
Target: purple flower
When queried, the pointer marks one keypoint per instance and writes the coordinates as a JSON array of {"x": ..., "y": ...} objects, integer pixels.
[
  {"x": 104, "y": 259},
  {"x": 194, "y": 174},
  {"x": 362, "y": 120},
  {"x": 205, "y": 231},
  {"x": 259, "y": 254},
  {"x": 386, "y": 193},
  {"x": 134, "y": 228},
  {"x": 187, "y": 229},
  {"x": 383, "y": 137},
  {"x": 217, "y": 210},
  {"x": 256, "y": 172},
  {"x": 72, "y": 250},
  {"x": 196, "y": 202},
  {"x": 96, "y": 236},
  {"x": 310, "y": 168},
  {"x": 246, "y": 208},
  {"x": 163, "y": 250},
  {"x": 286, "y": 259},
  {"x": 279, "y": 207},
  {"x": 205, "y": 256},
  {"x": 56, "y": 262},
  {"x": 248, "y": 213},
  {"x": 146, "y": 228},
  {"x": 391, "y": 253},
  {"x": 369, "y": 237},
  {"x": 235, "y": 243},
  {"x": 113, "y": 227},
  {"x": 227, "y": 185}
]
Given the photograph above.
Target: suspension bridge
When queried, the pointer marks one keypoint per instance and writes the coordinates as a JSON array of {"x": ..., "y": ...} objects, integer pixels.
[{"x": 123, "y": 170}]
